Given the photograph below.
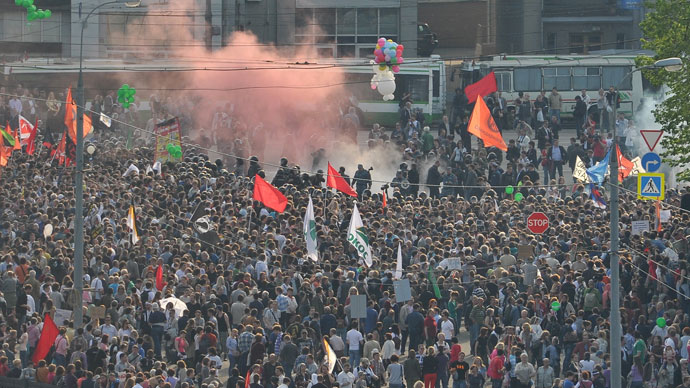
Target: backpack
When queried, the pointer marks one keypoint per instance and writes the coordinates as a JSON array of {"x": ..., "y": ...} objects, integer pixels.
[{"x": 396, "y": 341}]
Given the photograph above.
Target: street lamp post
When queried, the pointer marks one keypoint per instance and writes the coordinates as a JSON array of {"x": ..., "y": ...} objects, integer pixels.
[
  {"x": 670, "y": 64},
  {"x": 79, "y": 177}
]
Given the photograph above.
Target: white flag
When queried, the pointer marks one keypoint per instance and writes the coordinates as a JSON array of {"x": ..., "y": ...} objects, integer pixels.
[
  {"x": 106, "y": 120},
  {"x": 131, "y": 169},
  {"x": 310, "y": 232},
  {"x": 157, "y": 167},
  {"x": 398, "y": 267},
  {"x": 357, "y": 236},
  {"x": 637, "y": 167},
  {"x": 132, "y": 224},
  {"x": 580, "y": 171}
]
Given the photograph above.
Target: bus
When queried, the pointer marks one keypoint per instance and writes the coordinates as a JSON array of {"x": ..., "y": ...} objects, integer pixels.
[
  {"x": 424, "y": 79},
  {"x": 570, "y": 74}
]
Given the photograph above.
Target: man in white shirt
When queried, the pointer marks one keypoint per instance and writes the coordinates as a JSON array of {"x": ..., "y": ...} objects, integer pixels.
[
  {"x": 30, "y": 302},
  {"x": 97, "y": 287},
  {"x": 346, "y": 378},
  {"x": 271, "y": 315},
  {"x": 108, "y": 328},
  {"x": 447, "y": 327},
  {"x": 354, "y": 341}
]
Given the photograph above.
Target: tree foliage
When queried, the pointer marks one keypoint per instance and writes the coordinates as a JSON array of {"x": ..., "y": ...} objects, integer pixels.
[{"x": 666, "y": 31}]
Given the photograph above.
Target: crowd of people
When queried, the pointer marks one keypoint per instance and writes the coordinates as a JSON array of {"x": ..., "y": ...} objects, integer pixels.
[{"x": 238, "y": 303}]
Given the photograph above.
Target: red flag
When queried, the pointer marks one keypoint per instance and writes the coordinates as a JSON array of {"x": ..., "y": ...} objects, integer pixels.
[
  {"x": 31, "y": 141},
  {"x": 249, "y": 375},
  {"x": 658, "y": 216},
  {"x": 337, "y": 182},
  {"x": 159, "y": 278},
  {"x": 625, "y": 166},
  {"x": 25, "y": 128},
  {"x": 271, "y": 197},
  {"x": 384, "y": 200},
  {"x": 483, "y": 126},
  {"x": 483, "y": 87},
  {"x": 5, "y": 153},
  {"x": 17, "y": 143},
  {"x": 70, "y": 118},
  {"x": 45, "y": 342}
]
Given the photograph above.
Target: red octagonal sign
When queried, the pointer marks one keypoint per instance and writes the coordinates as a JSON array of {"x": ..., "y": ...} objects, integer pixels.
[{"x": 537, "y": 222}]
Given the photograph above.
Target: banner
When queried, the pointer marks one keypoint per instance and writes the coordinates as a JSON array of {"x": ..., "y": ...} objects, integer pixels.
[{"x": 167, "y": 132}]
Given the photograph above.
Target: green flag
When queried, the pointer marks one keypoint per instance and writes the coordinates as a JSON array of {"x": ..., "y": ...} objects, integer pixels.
[
  {"x": 7, "y": 137},
  {"x": 432, "y": 279}
]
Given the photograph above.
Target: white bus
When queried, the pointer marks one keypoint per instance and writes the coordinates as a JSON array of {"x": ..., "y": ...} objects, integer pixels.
[{"x": 570, "y": 74}]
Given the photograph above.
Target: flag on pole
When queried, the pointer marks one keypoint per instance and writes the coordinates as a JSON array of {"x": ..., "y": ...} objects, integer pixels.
[
  {"x": 71, "y": 118},
  {"x": 483, "y": 126},
  {"x": 331, "y": 358},
  {"x": 159, "y": 278},
  {"x": 598, "y": 171},
  {"x": 132, "y": 224},
  {"x": 46, "y": 340},
  {"x": 31, "y": 141},
  {"x": 17, "y": 141},
  {"x": 385, "y": 200},
  {"x": 625, "y": 166},
  {"x": 107, "y": 121},
  {"x": 25, "y": 129},
  {"x": 432, "y": 280},
  {"x": 658, "y": 216},
  {"x": 398, "y": 266},
  {"x": 270, "y": 196},
  {"x": 337, "y": 182},
  {"x": 310, "y": 232},
  {"x": 596, "y": 196},
  {"x": 580, "y": 171},
  {"x": 483, "y": 87},
  {"x": 357, "y": 236}
]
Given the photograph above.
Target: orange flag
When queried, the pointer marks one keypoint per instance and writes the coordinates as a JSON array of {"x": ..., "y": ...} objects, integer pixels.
[
  {"x": 385, "y": 202},
  {"x": 625, "y": 166},
  {"x": 483, "y": 126},
  {"x": 71, "y": 121}
]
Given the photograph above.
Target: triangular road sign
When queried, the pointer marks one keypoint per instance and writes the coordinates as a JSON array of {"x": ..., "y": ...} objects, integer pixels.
[
  {"x": 651, "y": 137},
  {"x": 650, "y": 188}
]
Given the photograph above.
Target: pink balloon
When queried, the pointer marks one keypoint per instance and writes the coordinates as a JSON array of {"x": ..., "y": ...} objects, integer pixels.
[
  {"x": 400, "y": 60},
  {"x": 401, "y": 47},
  {"x": 377, "y": 52},
  {"x": 373, "y": 86},
  {"x": 382, "y": 42},
  {"x": 396, "y": 68}
]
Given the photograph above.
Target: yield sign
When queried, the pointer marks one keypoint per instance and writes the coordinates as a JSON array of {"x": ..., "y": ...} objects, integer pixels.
[{"x": 651, "y": 137}]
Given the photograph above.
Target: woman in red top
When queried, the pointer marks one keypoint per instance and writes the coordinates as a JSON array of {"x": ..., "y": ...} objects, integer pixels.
[{"x": 496, "y": 369}]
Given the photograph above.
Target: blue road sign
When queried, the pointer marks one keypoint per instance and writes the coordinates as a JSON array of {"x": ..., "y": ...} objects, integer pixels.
[
  {"x": 651, "y": 162},
  {"x": 650, "y": 186}
]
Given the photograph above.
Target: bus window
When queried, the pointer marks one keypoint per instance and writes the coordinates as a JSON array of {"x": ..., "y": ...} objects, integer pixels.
[
  {"x": 503, "y": 81},
  {"x": 586, "y": 78},
  {"x": 612, "y": 75},
  {"x": 527, "y": 80},
  {"x": 558, "y": 77},
  {"x": 437, "y": 82},
  {"x": 416, "y": 85}
]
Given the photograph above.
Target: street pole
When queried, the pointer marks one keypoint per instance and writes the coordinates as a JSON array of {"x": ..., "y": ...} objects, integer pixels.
[
  {"x": 78, "y": 262},
  {"x": 615, "y": 340}
]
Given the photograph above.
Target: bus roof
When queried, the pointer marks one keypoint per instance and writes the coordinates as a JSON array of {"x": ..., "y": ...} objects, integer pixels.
[{"x": 557, "y": 60}]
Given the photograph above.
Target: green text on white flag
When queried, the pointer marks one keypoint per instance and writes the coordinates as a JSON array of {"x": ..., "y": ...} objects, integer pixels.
[
  {"x": 357, "y": 236},
  {"x": 310, "y": 232}
]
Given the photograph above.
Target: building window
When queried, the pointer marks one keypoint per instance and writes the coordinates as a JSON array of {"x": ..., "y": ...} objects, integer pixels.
[
  {"x": 584, "y": 43},
  {"x": 15, "y": 28},
  {"x": 551, "y": 43},
  {"x": 586, "y": 78},
  {"x": 620, "y": 41},
  {"x": 352, "y": 31}
]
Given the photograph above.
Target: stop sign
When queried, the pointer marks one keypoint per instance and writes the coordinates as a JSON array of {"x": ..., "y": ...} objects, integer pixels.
[{"x": 537, "y": 222}]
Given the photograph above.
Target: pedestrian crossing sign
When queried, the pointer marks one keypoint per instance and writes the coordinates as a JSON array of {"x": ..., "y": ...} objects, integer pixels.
[{"x": 651, "y": 186}]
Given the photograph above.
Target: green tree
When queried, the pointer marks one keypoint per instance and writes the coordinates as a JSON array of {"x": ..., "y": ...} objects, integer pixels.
[{"x": 666, "y": 31}]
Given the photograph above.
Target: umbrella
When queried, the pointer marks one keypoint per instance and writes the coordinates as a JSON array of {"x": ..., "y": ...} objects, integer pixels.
[{"x": 178, "y": 305}]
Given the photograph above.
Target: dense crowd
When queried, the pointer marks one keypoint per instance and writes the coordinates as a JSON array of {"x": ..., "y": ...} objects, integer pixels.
[{"x": 239, "y": 299}]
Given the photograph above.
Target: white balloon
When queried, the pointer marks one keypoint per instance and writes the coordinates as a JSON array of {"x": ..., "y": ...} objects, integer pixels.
[
  {"x": 386, "y": 86},
  {"x": 47, "y": 230}
]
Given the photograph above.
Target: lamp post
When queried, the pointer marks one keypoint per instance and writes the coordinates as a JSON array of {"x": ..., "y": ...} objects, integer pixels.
[
  {"x": 670, "y": 64},
  {"x": 79, "y": 178}
]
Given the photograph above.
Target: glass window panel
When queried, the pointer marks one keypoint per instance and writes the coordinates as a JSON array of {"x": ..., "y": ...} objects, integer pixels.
[
  {"x": 549, "y": 71},
  {"x": 367, "y": 19},
  {"x": 11, "y": 26},
  {"x": 325, "y": 20},
  {"x": 365, "y": 52},
  {"x": 527, "y": 80},
  {"x": 324, "y": 52},
  {"x": 325, "y": 39},
  {"x": 437, "y": 82},
  {"x": 593, "y": 71},
  {"x": 52, "y": 28},
  {"x": 346, "y": 51},
  {"x": 304, "y": 19},
  {"x": 586, "y": 78},
  {"x": 32, "y": 31},
  {"x": 612, "y": 75},
  {"x": 503, "y": 81},
  {"x": 346, "y": 39},
  {"x": 388, "y": 22},
  {"x": 346, "y": 21},
  {"x": 368, "y": 39}
]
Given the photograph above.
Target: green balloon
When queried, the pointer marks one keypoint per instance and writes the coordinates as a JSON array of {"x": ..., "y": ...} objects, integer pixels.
[
  {"x": 48, "y": 13},
  {"x": 31, "y": 16},
  {"x": 125, "y": 87},
  {"x": 509, "y": 189},
  {"x": 17, "y": 2},
  {"x": 32, "y": 8},
  {"x": 661, "y": 322},
  {"x": 41, "y": 14},
  {"x": 555, "y": 306},
  {"x": 170, "y": 147},
  {"x": 31, "y": 2},
  {"x": 519, "y": 197},
  {"x": 131, "y": 100}
]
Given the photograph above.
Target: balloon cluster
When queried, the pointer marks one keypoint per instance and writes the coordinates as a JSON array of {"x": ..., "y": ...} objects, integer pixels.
[
  {"x": 125, "y": 95},
  {"x": 388, "y": 54},
  {"x": 510, "y": 189},
  {"x": 384, "y": 82},
  {"x": 174, "y": 150},
  {"x": 32, "y": 13}
]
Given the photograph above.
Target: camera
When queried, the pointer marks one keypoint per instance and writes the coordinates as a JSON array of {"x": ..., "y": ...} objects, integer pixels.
[{"x": 385, "y": 187}]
